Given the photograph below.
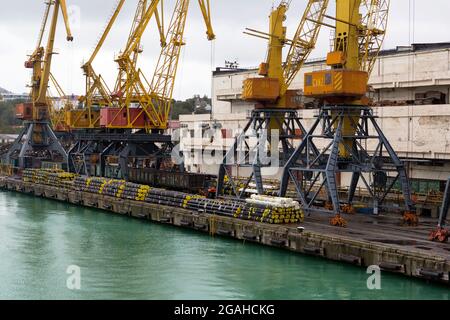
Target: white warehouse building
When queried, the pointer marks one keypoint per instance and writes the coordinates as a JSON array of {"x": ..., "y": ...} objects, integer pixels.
[{"x": 411, "y": 91}]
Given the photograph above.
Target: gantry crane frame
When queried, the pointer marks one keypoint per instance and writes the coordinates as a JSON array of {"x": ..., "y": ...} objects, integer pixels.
[
  {"x": 119, "y": 143},
  {"x": 37, "y": 134},
  {"x": 58, "y": 116},
  {"x": 276, "y": 109},
  {"x": 97, "y": 93},
  {"x": 345, "y": 122},
  {"x": 154, "y": 98}
]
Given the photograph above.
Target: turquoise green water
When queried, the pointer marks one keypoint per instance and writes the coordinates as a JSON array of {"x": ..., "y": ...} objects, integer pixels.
[{"x": 122, "y": 258}]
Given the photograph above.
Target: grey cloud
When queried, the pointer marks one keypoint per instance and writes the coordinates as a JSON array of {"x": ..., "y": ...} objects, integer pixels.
[{"x": 20, "y": 21}]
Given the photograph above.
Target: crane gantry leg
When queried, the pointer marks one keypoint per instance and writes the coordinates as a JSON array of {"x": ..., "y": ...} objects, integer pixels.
[
  {"x": 374, "y": 171},
  {"x": 111, "y": 154},
  {"x": 257, "y": 148},
  {"x": 36, "y": 141},
  {"x": 442, "y": 234}
]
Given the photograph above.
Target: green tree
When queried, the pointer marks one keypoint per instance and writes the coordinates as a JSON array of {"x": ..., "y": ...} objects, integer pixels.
[
  {"x": 8, "y": 121},
  {"x": 196, "y": 104}
]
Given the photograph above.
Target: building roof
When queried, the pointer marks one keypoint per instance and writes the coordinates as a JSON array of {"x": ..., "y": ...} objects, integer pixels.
[
  {"x": 415, "y": 47},
  {"x": 223, "y": 70}
]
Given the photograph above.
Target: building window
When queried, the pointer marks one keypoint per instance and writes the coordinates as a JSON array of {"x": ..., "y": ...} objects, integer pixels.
[
  {"x": 308, "y": 80},
  {"x": 327, "y": 79}
]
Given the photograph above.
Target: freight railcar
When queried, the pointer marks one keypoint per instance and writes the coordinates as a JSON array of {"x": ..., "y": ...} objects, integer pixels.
[{"x": 174, "y": 180}]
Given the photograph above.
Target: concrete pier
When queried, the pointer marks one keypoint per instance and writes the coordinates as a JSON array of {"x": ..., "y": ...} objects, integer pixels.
[{"x": 368, "y": 240}]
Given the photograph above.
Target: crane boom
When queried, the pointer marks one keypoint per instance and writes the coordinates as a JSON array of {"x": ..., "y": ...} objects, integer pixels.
[
  {"x": 44, "y": 24},
  {"x": 375, "y": 19},
  {"x": 135, "y": 38},
  {"x": 154, "y": 99},
  {"x": 97, "y": 92},
  {"x": 39, "y": 92},
  {"x": 123, "y": 85},
  {"x": 66, "y": 19},
  {"x": 278, "y": 76},
  {"x": 37, "y": 134},
  {"x": 305, "y": 38},
  {"x": 105, "y": 33},
  {"x": 206, "y": 12}
]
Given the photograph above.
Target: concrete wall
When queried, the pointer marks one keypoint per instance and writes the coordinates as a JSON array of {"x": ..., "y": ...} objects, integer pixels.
[
  {"x": 419, "y": 132},
  {"x": 395, "y": 77}
]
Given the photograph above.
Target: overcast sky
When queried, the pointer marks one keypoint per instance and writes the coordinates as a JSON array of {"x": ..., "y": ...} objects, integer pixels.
[{"x": 20, "y": 21}]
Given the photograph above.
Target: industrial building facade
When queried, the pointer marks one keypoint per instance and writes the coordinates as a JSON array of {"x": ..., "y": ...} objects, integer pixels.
[{"x": 410, "y": 90}]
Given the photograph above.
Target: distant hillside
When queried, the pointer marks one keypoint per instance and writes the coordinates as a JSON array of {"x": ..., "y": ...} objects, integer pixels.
[
  {"x": 196, "y": 104},
  {"x": 8, "y": 122},
  {"x": 3, "y": 90}
]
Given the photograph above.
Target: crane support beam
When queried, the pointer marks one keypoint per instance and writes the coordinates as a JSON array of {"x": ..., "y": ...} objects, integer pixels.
[
  {"x": 275, "y": 110},
  {"x": 345, "y": 123},
  {"x": 65, "y": 15},
  {"x": 206, "y": 12},
  {"x": 137, "y": 35},
  {"x": 37, "y": 137},
  {"x": 153, "y": 98},
  {"x": 106, "y": 32}
]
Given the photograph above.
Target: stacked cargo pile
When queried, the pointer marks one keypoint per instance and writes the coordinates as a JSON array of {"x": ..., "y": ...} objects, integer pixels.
[
  {"x": 112, "y": 187},
  {"x": 270, "y": 189},
  {"x": 280, "y": 210},
  {"x": 228, "y": 187},
  {"x": 90, "y": 184},
  {"x": 259, "y": 208},
  {"x": 29, "y": 175},
  {"x": 265, "y": 209},
  {"x": 52, "y": 177},
  {"x": 167, "y": 197},
  {"x": 133, "y": 191}
]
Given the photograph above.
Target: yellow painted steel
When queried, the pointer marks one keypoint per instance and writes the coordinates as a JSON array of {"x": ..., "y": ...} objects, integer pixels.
[
  {"x": 152, "y": 98},
  {"x": 41, "y": 59},
  {"x": 58, "y": 115},
  {"x": 97, "y": 94},
  {"x": 300, "y": 48},
  {"x": 124, "y": 86},
  {"x": 273, "y": 69},
  {"x": 206, "y": 12},
  {"x": 360, "y": 31},
  {"x": 76, "y": 119},
  {"x": 261, "y": 89},
  {"x": 304, "y": 40},
  {"x": 337, "y": 83}
]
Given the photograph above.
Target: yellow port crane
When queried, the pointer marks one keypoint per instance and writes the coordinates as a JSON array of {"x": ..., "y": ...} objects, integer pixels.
[
  {"x": 65, "y": 105},
  {"x": 122, "y": 89},
  {"x": 97, "y": 94},
  {"x": 130, "y": 131},
  {"x": 354, "y": 143},
  {"x": 275, "y": 103},
  {"x": 37, "y": 139},
  {"x": 272, "y": 90},
  {"x": 143, "y": 104}
]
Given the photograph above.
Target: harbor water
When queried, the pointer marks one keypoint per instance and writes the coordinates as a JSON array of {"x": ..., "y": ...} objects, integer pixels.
[{"x": 53, "y": 250}]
